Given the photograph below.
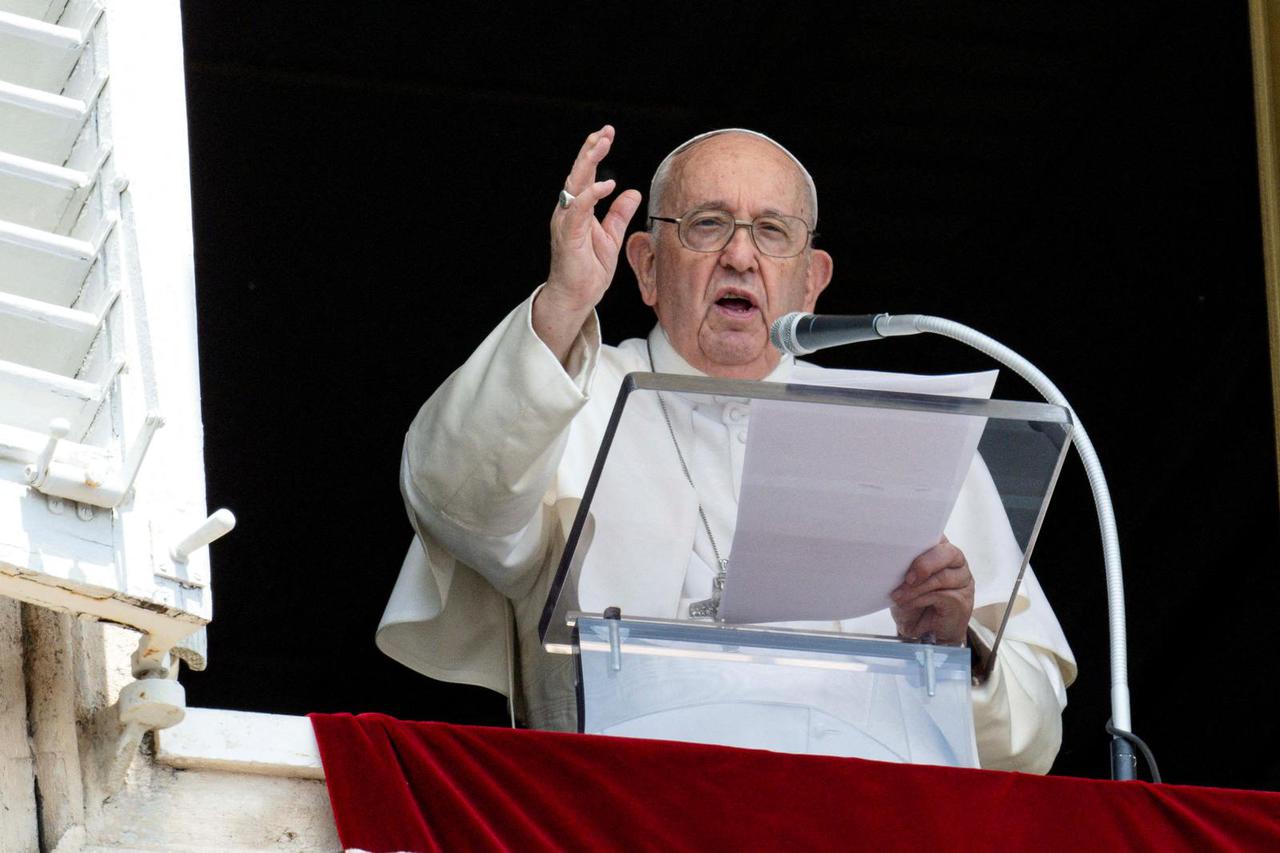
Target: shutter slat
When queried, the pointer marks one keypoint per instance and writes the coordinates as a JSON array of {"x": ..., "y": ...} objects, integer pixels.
[
  {"x": 40, "y": 125},
  {"x": 48, "y": 267},
  {"x": 30, "y": 398},
  {"x": 40, "y": 195},
  {"x": 37, "y": 54},
  {"x": 42, "y": 10},
  {"x": 46, "y": 337},
  {"x": 90, "y": 510}
]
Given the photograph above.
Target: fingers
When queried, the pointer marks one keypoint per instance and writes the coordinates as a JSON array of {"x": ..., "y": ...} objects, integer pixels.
[
  {"x": 576, "y": 219},
  {"x": 582, "y": 184},
  {"x": 594, "y": 149},
  {"x": 941, "y": 567},
  {"x": 579, "y": 215},
  {"x": 910, "y": 623},
  {"x": 587, "y": 199},
  {"x": 944, "y": 613},
  {"x": 950, "y": 578},
  {"x": 943, "y": 599},
  {"x": 584, "y": 251},
  {"x": 941, "y": 556},
  {"x": 620, "y": 212},
  {"x": 936, "y": 595}
]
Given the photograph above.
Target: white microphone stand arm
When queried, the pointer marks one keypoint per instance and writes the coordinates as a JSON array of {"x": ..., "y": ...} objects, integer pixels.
[{"x": 1123, "y": 759}]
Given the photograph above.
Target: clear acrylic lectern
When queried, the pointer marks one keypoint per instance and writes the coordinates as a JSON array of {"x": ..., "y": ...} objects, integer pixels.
[{"x": 822, "y": 496}]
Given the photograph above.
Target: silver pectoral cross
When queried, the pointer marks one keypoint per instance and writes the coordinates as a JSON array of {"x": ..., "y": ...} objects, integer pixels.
[{"x": 711, "y": 606}]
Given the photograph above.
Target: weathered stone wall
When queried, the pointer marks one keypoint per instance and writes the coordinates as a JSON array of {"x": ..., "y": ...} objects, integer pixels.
[
  {"x": 58, "y": 679},
  {"x": 17, "y": 778}
]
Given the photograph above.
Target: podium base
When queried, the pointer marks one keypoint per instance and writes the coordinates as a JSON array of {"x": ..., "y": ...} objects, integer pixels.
[{"x": 776, "y": 689}]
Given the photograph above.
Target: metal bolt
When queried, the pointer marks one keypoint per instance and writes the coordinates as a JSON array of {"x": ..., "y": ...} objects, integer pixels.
[
  {"x": 56, "y": 506},
  {"x": 84, "y": 512}
]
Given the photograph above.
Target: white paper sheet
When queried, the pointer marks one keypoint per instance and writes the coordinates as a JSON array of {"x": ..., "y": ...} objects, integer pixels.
[{"x": 837, "y": 501}]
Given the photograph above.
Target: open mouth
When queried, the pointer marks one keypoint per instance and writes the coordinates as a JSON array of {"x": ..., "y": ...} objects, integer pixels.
[{"x": 736, "y": 304}]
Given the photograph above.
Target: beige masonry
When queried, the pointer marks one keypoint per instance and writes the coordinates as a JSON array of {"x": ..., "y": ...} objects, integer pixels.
[{"x": 220, "y": 780}]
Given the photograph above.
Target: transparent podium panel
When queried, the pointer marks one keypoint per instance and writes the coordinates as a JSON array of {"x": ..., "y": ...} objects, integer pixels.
[
  {"x": 785, "y": 511},
  {"x": 777, "y": 690}
]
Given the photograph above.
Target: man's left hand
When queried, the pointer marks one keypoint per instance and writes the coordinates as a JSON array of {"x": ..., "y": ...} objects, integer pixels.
[{"x": 936, "y": 596}]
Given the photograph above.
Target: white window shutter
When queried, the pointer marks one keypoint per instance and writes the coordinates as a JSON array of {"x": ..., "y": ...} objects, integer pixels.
[{"x": 102, "y": 508}]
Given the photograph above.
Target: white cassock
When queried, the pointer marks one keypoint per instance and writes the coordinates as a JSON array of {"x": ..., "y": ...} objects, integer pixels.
[{"x": 493, "y": 470}]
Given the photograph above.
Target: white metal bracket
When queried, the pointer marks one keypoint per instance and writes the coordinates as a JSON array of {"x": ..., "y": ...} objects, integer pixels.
[
  {"x": 154, "y": 701},
  {"x": 613, "y": 615},
  {"x": 38, "y": 472},
  {"x": 213, "y": 528},
  {"x": 926, "y": 661},
  {"x": 86, "y": 487},
  {"x": 210, "y": 530}
]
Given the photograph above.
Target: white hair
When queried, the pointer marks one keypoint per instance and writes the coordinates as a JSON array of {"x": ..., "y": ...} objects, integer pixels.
[{"x": 662, "y": 175}]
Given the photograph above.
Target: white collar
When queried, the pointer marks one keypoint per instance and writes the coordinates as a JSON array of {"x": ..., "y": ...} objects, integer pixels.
[{"x": 667, "y": 360}]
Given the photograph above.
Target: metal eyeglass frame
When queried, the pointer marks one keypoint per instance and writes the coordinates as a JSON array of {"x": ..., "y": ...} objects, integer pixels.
[{"x": 750, "y": 225}]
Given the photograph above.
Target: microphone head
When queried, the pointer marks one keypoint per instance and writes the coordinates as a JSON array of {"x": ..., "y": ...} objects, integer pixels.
[{"x": 782, "y": 334}]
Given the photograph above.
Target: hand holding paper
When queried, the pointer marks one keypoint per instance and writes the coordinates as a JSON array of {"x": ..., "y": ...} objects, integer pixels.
[
  {"x": 936, "y": 597},
  {"x": 837, "y": 502}
]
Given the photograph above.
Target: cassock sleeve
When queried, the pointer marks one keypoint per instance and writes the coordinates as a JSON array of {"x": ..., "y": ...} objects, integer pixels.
[
  {"x": 477, "y": 463},
  {"x": 1017, "y": 711},
  {"x": 482, "y": 452}
]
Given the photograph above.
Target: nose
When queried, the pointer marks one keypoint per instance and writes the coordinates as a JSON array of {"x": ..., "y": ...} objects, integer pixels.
[{"x": 740, "y": 252}]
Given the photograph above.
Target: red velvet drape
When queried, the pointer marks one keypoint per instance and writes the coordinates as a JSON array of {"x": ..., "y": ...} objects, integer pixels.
[{"x": 429, "y": 786}]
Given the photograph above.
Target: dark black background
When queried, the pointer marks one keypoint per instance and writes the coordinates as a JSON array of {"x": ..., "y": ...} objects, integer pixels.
[{"x": 371, "y": 184}]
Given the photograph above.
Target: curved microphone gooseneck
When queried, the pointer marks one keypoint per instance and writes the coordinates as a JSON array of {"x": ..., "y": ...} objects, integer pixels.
[{"x": 799, "y": 333}]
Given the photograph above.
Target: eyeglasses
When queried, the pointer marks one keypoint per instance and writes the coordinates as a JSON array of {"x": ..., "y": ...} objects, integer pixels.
[{"x": 775, "y": 235}]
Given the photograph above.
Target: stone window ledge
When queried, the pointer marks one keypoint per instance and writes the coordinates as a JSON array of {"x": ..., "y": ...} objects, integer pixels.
[{"x": 241, "y": 742}]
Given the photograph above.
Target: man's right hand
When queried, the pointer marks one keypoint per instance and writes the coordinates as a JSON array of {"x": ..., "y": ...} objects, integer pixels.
[{"x": 584, "y": 250}]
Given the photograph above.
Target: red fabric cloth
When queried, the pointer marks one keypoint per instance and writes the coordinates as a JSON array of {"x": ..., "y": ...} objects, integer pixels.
[{"x": 429, "y": 786}]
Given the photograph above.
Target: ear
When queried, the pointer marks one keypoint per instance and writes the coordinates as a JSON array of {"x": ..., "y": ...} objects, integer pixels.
[
  {"x": 640, "y": 256},
  {"x": 818, "y": 277}
]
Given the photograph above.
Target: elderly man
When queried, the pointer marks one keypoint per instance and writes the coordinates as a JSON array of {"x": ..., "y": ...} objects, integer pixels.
[{"x": 495, "y": 462}]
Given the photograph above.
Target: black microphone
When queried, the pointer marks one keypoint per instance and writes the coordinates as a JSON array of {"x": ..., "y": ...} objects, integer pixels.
[{"x": 799, "y": 333}]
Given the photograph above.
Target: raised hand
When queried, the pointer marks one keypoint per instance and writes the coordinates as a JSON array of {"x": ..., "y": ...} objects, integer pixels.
[
  {"x": 936, "y": 596},
  {"x": 584, "y": 250}
]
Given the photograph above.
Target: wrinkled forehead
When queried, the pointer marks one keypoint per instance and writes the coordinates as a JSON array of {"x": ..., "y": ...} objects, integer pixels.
[
  {"x": 723, "y": 162},
  {"x": 729, "y": 174}
]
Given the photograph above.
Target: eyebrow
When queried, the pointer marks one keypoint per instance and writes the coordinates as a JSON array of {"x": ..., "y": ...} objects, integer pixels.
[{"x": 721, "y": 204}]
